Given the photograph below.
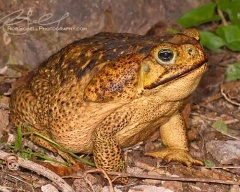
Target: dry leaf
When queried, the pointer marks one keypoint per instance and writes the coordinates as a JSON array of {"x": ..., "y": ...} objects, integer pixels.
[{"x": 63, "y": 170}]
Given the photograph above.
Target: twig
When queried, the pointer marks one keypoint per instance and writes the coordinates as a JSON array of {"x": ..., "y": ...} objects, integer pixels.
[
  {"x": 39, "y": 169},
  {"x": 166, "y": 178},
  {"x": 89, "y": 183},
  {"x": 228, "y": 99},
  {"x": 105, "y": 175},
  {"x": 29, "y": 184},
  {"x": 224, "y": 133},
  {"x": 97, "y": 170},
  {"x": 220, "y": 112},
  {"x": 218, "y": 130},
  {"x": 220, "y": 13},
  {"x": 224, "y": 167}
]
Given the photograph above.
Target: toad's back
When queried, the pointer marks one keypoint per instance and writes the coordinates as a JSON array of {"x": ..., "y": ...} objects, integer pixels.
[{"x": 82, "y": 56}]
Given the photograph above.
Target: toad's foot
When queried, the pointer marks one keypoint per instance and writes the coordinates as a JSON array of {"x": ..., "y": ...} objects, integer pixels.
[{"x": 178, "y": 155}]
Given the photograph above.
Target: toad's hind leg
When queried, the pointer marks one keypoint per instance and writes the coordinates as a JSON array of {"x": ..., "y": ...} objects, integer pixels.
[
  {"x": 23, "y": 107},
  {"x": 24, "y": 112},
  {"x": 107, "y": 152}
]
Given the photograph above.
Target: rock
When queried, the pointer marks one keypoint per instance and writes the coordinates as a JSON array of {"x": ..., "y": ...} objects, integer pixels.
[{"x": 225, "y": 152}]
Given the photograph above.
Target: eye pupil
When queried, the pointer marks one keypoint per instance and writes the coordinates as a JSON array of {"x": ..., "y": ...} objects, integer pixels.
[{"x": 165, "y": 55}]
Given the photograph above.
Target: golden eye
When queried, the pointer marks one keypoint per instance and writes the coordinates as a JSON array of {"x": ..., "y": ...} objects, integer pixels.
[{"x": 165, "y": 55}]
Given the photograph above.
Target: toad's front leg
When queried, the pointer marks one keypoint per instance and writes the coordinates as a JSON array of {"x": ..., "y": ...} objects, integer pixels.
[{"x": 174, "y": 137}]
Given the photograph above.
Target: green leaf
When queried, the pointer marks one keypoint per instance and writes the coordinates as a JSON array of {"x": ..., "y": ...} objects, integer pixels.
[
  {"x": 222, "y": 1},
  {"x": 198, "y": 16},
  {"x": 233, "y": 72},
  {"x": 209, "y": 163},
  {"x": 211, "y": 41},
  {"x": 26, "y": 155},
  {"x": 232, "y": 9},
  {"x": 220, "y": 126},
  {"x": 231, "y": 35},
  {"x": 18, "y": 140},
  {"x": 60, "y": 147}
]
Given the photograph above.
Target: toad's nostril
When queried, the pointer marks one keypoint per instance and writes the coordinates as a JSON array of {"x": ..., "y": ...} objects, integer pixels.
[{"x": 190, "y": 51}]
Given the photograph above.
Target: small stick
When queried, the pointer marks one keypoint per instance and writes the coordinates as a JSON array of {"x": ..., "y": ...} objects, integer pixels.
[
  {"x": 220, "y": 13},
  {"x": 220, "y": 112},
  {"x": 228, "y": 99},
  {"x": 105, "y": 175},
  {"x": 166, "y": 178},
  {"x": 39, "y": 169}
]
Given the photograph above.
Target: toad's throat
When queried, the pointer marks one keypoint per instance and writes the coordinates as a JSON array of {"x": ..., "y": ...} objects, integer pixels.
[{"x": 183, "y": 73}]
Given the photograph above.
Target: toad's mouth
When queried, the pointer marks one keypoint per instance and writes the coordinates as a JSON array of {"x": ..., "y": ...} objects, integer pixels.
[{"x": 202, "y": 67}]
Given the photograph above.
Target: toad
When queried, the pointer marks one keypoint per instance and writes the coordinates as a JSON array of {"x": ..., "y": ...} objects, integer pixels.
[{"x": 110, "y": 91}]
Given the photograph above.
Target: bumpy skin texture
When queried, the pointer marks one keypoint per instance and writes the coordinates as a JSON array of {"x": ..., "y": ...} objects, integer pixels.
[{"x": 110, "y": 91}]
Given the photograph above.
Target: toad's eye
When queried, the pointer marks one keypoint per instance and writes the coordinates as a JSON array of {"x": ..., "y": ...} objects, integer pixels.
[{"x": 165, "y": 55}]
